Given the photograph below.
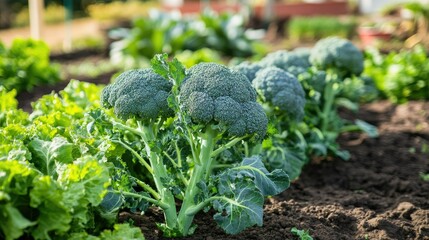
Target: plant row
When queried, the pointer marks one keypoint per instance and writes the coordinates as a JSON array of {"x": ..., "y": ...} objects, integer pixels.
[
  {"x": 170, "y": 33},
  {"x": 25, "y": 64},
  {"x": 209, "y": 137}
]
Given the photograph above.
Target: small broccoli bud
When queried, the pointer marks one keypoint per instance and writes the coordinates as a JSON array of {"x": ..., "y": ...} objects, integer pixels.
[
  {"x": 138, "y": 93},
  {"x": 337, "y": 53},
  {"x": 248, "y": 69},
  {"x": 296, "y": 71},
  {"x": 282, "y": 90},
  {"x": 212, "y": 93}
]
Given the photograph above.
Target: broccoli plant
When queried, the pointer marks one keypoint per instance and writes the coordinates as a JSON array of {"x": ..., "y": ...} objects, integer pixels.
[
  {"x": 184, "y": 121},
  {"x": 338, "y": 59},
  {"x": 283, "y": 99}
]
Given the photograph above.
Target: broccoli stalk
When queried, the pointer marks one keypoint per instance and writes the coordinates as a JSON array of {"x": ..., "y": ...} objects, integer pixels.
[
  {"x": 220, "y": 102},
  {"x": 142, "y": 94},
  {"x": 330, "y": 91},
  {"x": 212, "y": 108}
]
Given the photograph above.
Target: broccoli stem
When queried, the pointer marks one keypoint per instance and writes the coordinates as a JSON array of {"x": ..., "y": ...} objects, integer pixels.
[
  {"x": 136, "y": 154},
  {"x": 156, "y": 167},
  {"x": 329, "y": 94},
  {"x": 159, "y": 172},
  {"x": 135, "y": 195},
  {"x": 208, "y": 140}
]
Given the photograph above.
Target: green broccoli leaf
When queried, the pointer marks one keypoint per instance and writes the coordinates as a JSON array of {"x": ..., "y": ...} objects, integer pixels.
[
  {"x": 369, "y": 129},
  {"x": 240, "y": 207},
  {"x": 302, "y": 234},
  {"x": 173, "y": 70},
  {"x": 268, "y": 183},
  {"x": 241, "y": 192}
]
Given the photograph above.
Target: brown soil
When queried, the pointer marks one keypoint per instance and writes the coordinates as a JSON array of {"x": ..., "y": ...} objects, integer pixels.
[{"x": 377, "y": 194}]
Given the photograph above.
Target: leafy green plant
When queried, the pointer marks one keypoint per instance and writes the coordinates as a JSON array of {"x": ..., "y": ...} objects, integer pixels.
[
  {"x": 302, "y": 234},
  {"x": 52, "y": 174},
  {"x": 329, "y": 74},
  {"x": 283, "y": 99},
  {"x": 53, "y": 13},
  {"x": 89, "y": 68},
  {"x": 339, "y": 59},
  {"x": 170, "y": 33},
  {"x": 190, "y": 58},
  {"x": 316, "y": 28},
  {"x": 177, "y": 126},
  {"x": 400, "y": 76},
  {"x": 25, "y": 65}
]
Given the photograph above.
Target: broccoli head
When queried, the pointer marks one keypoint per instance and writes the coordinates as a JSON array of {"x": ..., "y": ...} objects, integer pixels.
[
  {"x": 285, "y": 59},
  {"x": 337, "y": 53},
  {"x": 213, "y": 94},
  {"x": 141, "y": 93},
  {"x": 248, "y": 69},
  {"x": 282, "y": 90}
]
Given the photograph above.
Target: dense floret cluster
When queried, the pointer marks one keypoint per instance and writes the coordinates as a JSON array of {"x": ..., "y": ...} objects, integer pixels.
[
  {"x": 285, "y": 59},
  {"x": 141, "y": 93},
  {"x": 337, "y": 53},
  {"x": 281, "y": 89},
  {"x": 248, "y": 69},
  {"x": 212, "y": 93}
]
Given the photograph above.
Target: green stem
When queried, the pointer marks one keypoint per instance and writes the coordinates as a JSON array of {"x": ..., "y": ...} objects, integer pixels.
[
  {"x": 136, "y": 154},
  {"x": 222, "y": 166},
  {"x": 227, "y": 146},
  {"x": 179, "y": 173},
  {"x": 146, "y": 187},
  {"x": 158, "y": 169},
  {"x": 159, "y": 173},
  {"x": 207, "y": 145},
  {"x": 125, "y": 127},
  {"x": 192, "y": 210},
  {"x": 149, "y": 199},
  {"x": 329, "y": 96}
]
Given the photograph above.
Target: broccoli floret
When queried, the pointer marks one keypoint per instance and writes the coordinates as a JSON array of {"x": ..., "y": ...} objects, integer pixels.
[
  {"x": 213, "y": 94},
  {"x": 248, "y": 69},
  {"x": 285, "y": 59},
  {"x": 141, "y": 93},
  {"x": 282, "y": 90},
  {"x": 337, "y": 53},
  {"x": 314, "y": 79},
  {"x": 296, "y": 71}
]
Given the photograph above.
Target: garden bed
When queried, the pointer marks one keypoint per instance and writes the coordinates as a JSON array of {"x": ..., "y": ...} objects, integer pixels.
[{"x": 377, "y": 194}]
